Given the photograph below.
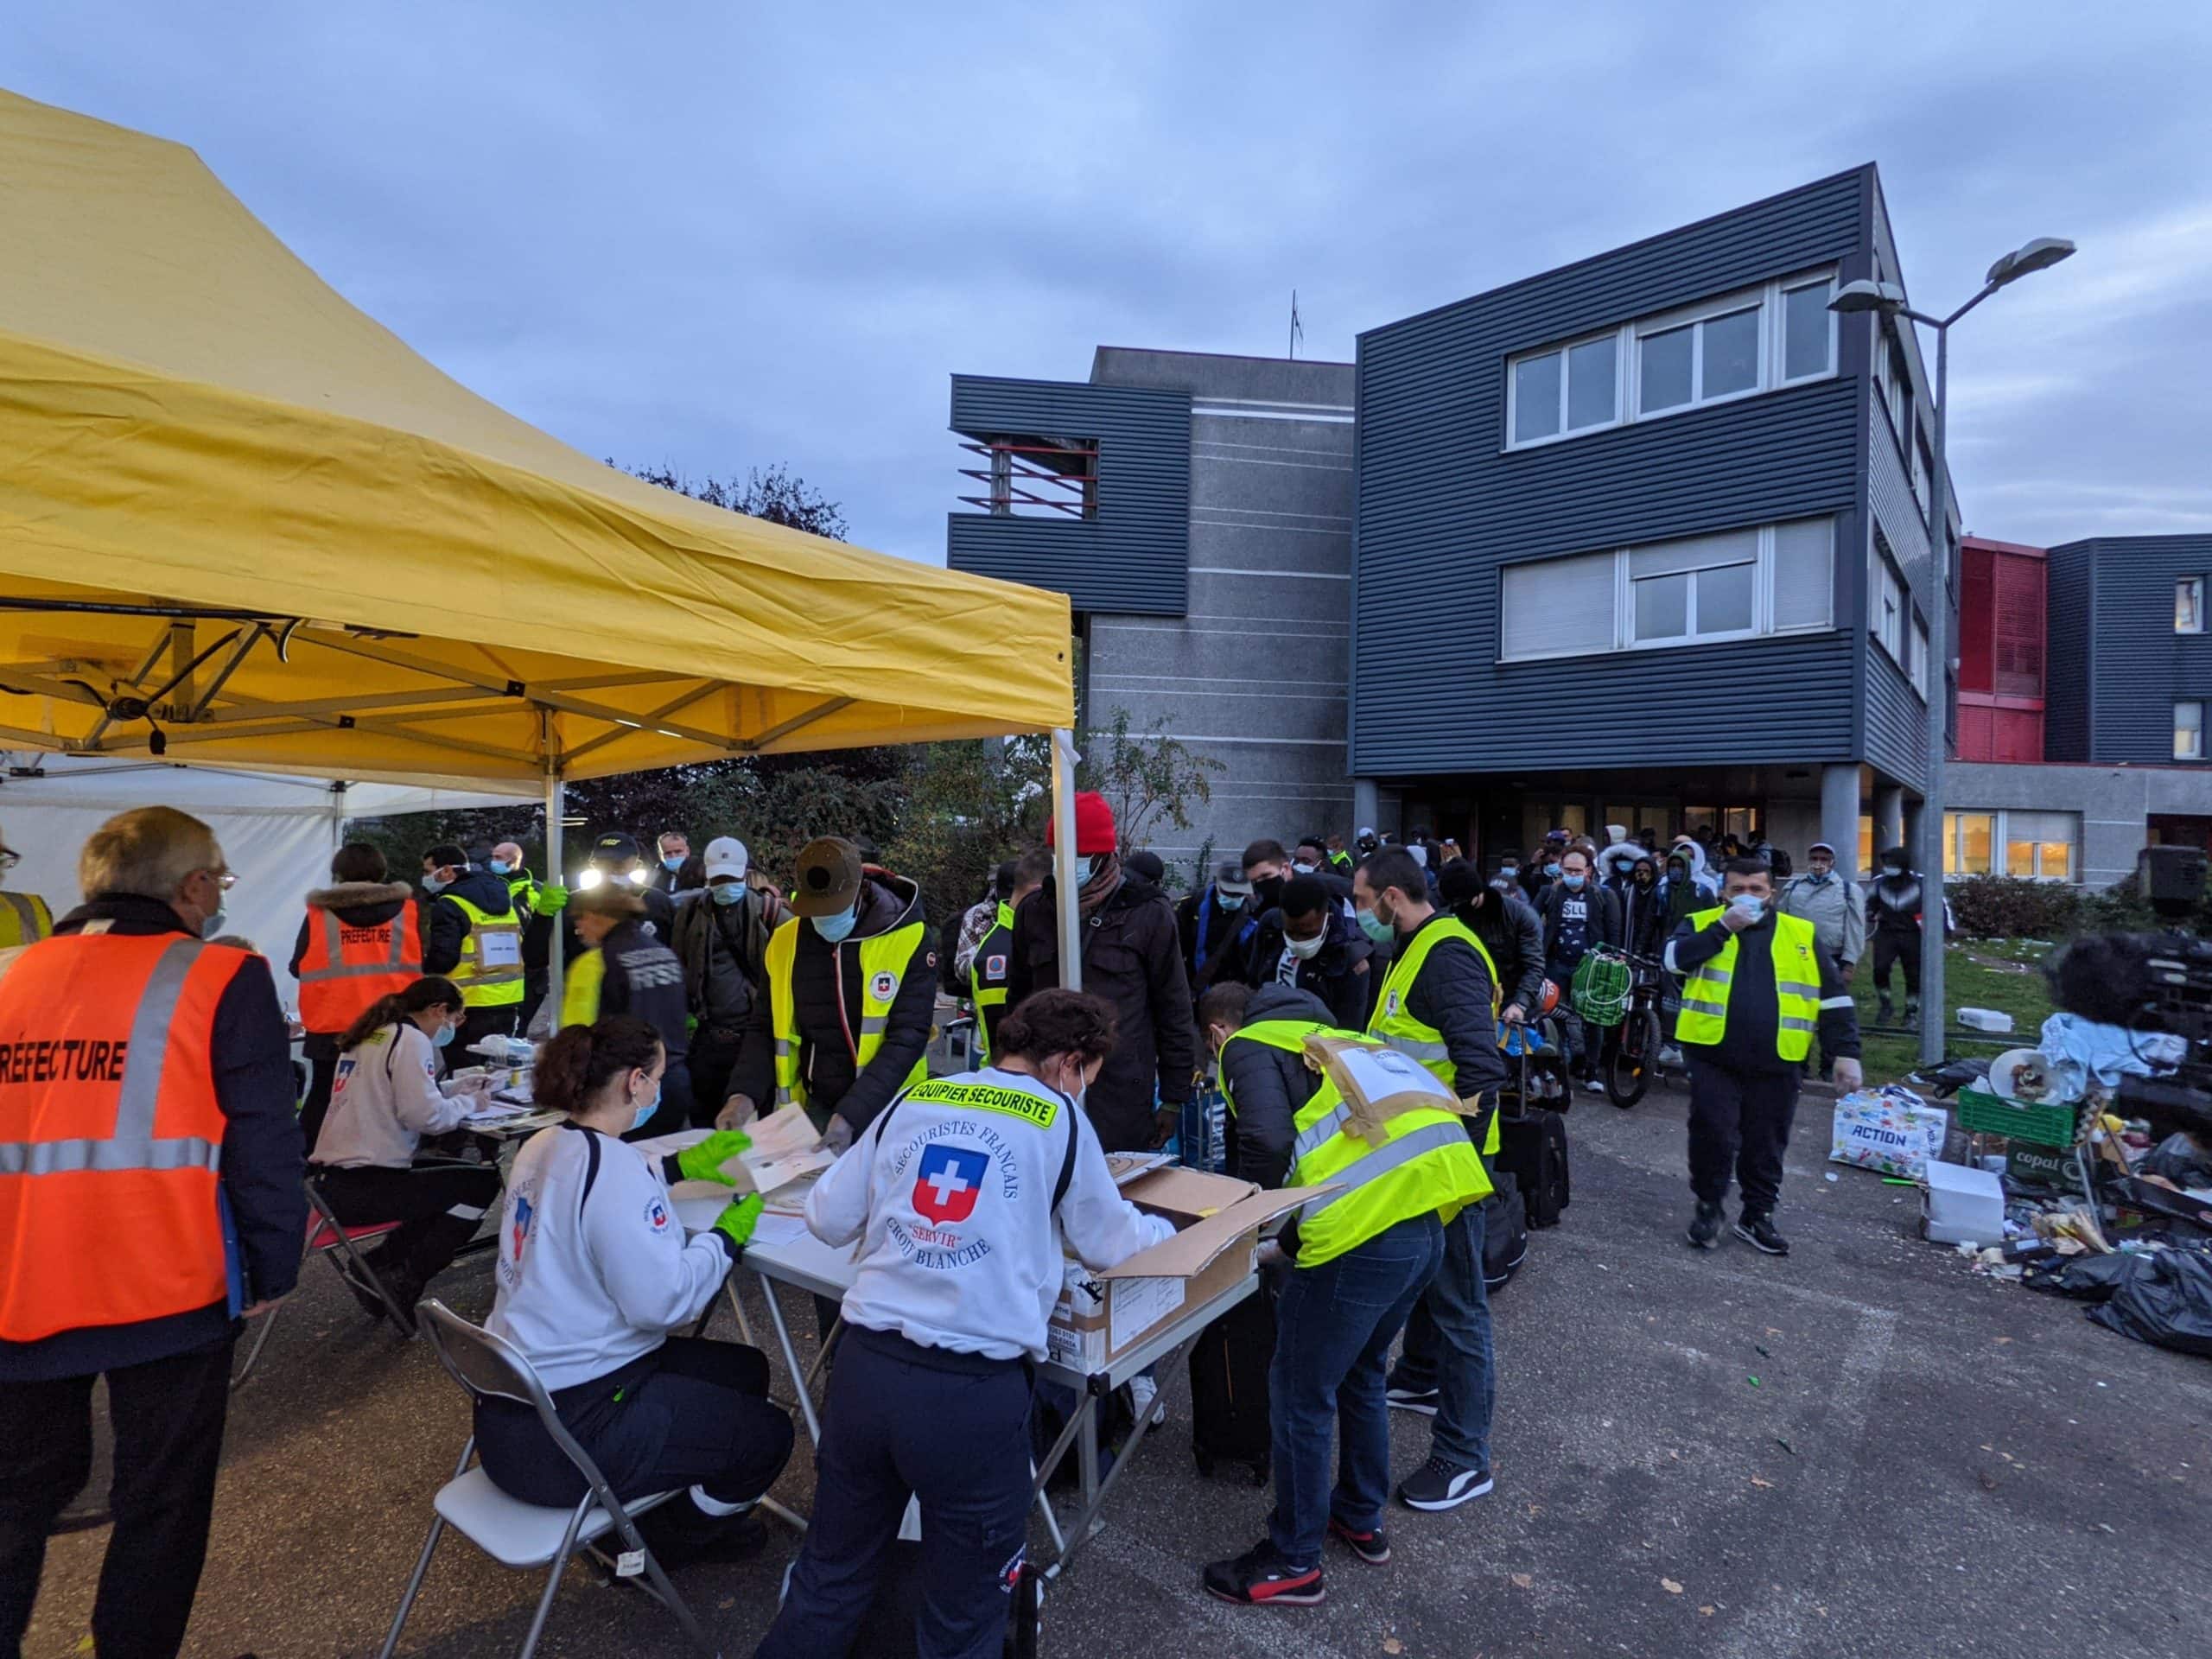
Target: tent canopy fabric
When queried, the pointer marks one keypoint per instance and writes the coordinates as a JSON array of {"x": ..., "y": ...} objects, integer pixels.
[{"x": 226, "y": 494}]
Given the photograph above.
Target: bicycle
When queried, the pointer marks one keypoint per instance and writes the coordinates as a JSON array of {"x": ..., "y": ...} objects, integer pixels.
[{"x": 1632, "y": 1056}]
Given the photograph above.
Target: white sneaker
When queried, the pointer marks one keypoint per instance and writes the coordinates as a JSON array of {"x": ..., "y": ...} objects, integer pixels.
[
  {"x": 1671, "y": 1056},
  {"x": 1144, "y": 1394}
]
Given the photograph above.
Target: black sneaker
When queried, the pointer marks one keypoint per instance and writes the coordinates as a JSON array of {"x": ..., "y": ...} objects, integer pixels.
[
  {"x": 1757, "y": 1231},
  {"x": 1705, "y": 1226},
  {"x": 1438, "y": 1484},
  {"x": 1261, "y": 1578},
  {"x": 1372, "y": 1546},
  {"x": 1403, "y": 1397}
]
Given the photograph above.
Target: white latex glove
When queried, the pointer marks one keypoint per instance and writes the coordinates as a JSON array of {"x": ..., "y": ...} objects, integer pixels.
[
  {"x": 1848, "y": 1076},
  {"x": 1270, "y": 1253},
  {"x": 839, "y": 1134}
]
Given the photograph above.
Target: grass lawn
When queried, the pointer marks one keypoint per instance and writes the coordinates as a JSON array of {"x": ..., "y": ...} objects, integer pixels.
[{"x": 2002, "y": 974}]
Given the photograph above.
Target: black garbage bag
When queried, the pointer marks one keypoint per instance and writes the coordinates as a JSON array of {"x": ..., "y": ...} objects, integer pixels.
[
  {"x": 2168, "y": 1307},
  {"x": 2088, "y": 1278},
  {"x": 2179, "y": 1160}
]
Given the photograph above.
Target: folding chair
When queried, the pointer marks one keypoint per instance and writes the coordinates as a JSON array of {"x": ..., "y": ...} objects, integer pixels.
[
  {"x": 528, "y": 1535},
  {"x": 329, "y": 1237}
]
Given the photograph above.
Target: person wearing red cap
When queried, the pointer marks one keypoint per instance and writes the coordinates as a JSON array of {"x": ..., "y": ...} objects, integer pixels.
[{"x": 1133, "y": 957}]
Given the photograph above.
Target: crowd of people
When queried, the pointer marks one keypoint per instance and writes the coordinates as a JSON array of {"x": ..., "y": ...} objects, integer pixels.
[{"x": 698, "y": 992}]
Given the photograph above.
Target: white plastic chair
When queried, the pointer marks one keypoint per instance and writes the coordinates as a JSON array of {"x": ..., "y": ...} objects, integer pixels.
[{"x": 521, "y": 1536}]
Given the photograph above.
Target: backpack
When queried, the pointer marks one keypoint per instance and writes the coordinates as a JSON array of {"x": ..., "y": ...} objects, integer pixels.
[
  {"x": 1505, "y": 1231},
  {"x": 1533, "y": 1150}
]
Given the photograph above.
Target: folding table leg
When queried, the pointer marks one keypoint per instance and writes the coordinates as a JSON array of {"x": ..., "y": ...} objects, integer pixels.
[{"x": 799, "y": 1376}]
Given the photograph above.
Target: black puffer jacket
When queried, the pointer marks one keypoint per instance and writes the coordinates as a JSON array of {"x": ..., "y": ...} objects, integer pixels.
[
  {"x": 827, "y": 997},
  {"x": 356, "y": 904},
  {"x": 1132, "y": 957},
  {"x": 1451, "y": 992},
  {"x": 1512, "y": 932},
  {"x": 1267, "y": 1085},
  {"x": 1341, "y": 973},
  {"x": 444, "y": 927}
]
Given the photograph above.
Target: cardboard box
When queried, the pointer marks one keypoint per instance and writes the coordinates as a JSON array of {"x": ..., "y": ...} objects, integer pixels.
[{"x": 1102, "y": 1316}]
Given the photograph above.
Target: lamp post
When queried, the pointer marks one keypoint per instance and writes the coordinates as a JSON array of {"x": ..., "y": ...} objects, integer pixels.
[{"x": 1887, "y": 299}]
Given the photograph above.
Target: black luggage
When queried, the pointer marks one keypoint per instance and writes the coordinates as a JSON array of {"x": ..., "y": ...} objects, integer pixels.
[
  {"x": 887, "y": 1631},
  {"x": 1228, "y": 1387},
  {"x": 1505, "y": 1231},
  {"x": 1533, "y": 1150}
]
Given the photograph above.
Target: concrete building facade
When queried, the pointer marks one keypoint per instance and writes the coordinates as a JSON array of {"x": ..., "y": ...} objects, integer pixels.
[{"x": 1199, "y": 515}]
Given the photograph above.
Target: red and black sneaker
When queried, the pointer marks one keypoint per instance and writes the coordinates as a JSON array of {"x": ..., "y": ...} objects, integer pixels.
[
  {"x": 1372, "y": 1546},
  {"x": 1261, "y": 1578}
]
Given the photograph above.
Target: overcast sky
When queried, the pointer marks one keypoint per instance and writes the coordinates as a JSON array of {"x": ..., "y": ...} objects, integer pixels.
[{"x": 722, "y": 235}]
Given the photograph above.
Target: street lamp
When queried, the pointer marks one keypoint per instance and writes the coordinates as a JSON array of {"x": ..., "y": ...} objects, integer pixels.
[{"x": 1888, "y": 300}]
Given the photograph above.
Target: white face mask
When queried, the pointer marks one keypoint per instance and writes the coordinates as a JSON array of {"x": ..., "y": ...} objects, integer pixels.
[{"x": 1304, "y": 949}]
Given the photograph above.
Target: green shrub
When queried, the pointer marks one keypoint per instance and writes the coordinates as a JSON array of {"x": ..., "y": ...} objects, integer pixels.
[{"x": 2013, "y": 907}]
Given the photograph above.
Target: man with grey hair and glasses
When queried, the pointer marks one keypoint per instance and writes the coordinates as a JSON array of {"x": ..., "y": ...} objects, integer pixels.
[{"x": 150, "y": 1197}]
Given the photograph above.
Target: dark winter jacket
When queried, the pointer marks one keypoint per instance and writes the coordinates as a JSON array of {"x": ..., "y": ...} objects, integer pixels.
[
  {"x": 1227, "y": 955},
  {"x": 1748, "y": 1043},
  {"x": 1604, "y": 920},
  {"x": 723, "y": 949},
  {"x": 827, "y": 1000},
  {"x": 261, "y": 1173},
  {"x": 1341, "y": 973},
  {"x": 1266, "y": 1085},
  {"x": 444, "y": 927},
  {"x": 1132, "y": 957},
  {"x": 356, "y": 904},
  {"x": 1644, "y": 924},
  {"x": 1451, "y": 992},
  {"x": 644, "y": 978},
  {"x": 1513, "y": 935},
  {"x": 1893, "y": 903}
]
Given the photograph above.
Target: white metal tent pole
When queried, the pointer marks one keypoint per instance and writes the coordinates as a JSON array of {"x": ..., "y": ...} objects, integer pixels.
[
  {"x": 556, "y": 807},
  {"x": 1064, "y": 885}
]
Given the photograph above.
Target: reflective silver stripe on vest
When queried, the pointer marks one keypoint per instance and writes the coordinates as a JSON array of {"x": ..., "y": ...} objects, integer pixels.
[
  {"x": 1788, "y": 1024},
  {"x": 1718, "y": 976},
  {"x": 339, "y": 968},
  {"x": 874, "y": 1025},
  {"x": 1383, "y": 1159},
  {"x": 1798, "y": 988},
  {"x": 1322, "y": 1128},
  {"x": 149, "y": 1042},
  {"x": 1417, "y": 1049},
  {"x": 1701, "y": 1006},
  {"x": 26, "y": 913},
  {"x": 75, "y": 1157}
]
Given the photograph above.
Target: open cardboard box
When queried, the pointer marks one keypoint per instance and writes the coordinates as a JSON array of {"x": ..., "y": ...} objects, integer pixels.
[{"x": 1101, "y": 1316}]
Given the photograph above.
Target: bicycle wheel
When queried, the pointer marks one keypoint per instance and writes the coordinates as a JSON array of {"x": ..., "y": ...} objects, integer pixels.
[{"x": 1634, "y": 1058}]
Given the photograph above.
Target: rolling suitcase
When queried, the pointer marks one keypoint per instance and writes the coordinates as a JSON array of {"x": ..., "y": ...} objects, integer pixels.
[
  {"x": 1228, "y": 1387},
  {"x": 1533, "y": 1150}
]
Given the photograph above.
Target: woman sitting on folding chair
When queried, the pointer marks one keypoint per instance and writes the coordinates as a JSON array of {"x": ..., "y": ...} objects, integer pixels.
[
  {"x": 594, "y": 1272},
  {"x": 383, "y": 1099}
]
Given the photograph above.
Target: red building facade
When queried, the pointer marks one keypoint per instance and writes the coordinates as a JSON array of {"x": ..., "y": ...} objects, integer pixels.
[{"x": 2001, "y": 650}]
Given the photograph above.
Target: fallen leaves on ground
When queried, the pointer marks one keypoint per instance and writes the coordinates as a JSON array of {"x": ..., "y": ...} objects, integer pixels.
[
  {"x": 1760, "y": 1481},
  {"x": 1670, "y": 1586},
  {"x": 1391, "y": 1645},
  {"x": 1705, "y": 1611},
  {"x": 1522, "y": 1581}
]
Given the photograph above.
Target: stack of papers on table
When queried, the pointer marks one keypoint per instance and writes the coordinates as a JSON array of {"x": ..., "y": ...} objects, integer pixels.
[{"x": 786, "y": 1147}]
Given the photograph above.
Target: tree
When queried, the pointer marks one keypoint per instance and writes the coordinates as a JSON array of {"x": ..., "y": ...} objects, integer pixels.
[
  {"x": 779, "y": 495},
  {"x": 1149, "y": 778}
]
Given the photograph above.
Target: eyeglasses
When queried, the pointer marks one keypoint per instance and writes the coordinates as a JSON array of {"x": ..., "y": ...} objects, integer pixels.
[
  {"x": 224, "y": 879},
  {"x": 9, "y": 858}
]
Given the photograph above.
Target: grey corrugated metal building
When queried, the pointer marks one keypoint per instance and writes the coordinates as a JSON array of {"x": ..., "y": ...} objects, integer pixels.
[
  {"x": 2131, "y": 658},
  {"x": 1643, "y": 540},
  {"x": 1196, "y": 510}
]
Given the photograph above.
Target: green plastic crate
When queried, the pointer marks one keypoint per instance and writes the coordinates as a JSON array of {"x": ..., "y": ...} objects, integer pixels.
[{"x": 1982, "y": 1113}]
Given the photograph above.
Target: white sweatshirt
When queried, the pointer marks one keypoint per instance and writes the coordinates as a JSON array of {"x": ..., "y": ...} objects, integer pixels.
[
  {"x": 383, "y": 1099},
  {"x": 593, "y": 1267},
  {"x": 953, "y": 1205}
]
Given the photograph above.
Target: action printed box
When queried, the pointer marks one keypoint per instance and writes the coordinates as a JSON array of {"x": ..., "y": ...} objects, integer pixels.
[{"x": 1889, "y": 1129}]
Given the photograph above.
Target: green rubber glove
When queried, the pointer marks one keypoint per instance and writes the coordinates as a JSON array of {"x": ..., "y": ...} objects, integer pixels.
[
  {"x": 738, "y": 1220},
  {"x": 551, "y": 897},
  {"x": 704, "y": 1161}
]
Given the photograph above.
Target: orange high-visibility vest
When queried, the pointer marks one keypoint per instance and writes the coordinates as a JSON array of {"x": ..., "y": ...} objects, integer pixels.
[
  {"x": 111, "y": 1135},
  {"x": 346, "y": 968}
]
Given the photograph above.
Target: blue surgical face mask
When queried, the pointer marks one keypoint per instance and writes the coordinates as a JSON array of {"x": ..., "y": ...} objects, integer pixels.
[
  {"x": 1750, "y": 904},
  {"x": 834, "y": 928},
  {"x": 1572, "y": 883},
  {"x": 1377, "y": 931},
  {"x": 500, "y": 866},
  {"x": 728, "y": 893},
  {"x": 435, "y": 884},
  {"x": 1088, "y": 868},
  {"x": 1509, "y": 872},
  {"x": 1230, "y": 900},
  {"x": 645, "y": 1112},
  {"x": 671, "y": 862},
  {"x": 215, "y": 925},
  {"x": 1552, "y": 868},
  {"x": 444, "y": 1038}
]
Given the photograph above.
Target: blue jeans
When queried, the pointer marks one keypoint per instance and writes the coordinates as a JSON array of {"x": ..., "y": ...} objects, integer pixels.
[
  {"x": 1448, "y": 1347},
  {"x": 1334, "y": 1325}
]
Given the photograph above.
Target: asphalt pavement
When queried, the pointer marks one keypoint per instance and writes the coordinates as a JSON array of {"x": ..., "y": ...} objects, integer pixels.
[{"x": 1863, "y": 1449}]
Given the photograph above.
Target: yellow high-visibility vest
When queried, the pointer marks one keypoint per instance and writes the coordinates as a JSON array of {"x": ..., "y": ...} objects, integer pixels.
[
  {"x": 489, "y": 972},
  {"x": 998, "y": 942},
  {"x": 1395, "y": 1023},
  {"x": 1426, "y": 1163},
  {"x": 1796, "y": 953},
  {"x": 885, "y": 961},
  {"x": 24, "y": 919},
  {"x": 587, "y": 977}
]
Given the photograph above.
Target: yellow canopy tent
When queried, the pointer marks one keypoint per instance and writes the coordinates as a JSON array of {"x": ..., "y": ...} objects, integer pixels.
[{"x": 242, "y": 523}]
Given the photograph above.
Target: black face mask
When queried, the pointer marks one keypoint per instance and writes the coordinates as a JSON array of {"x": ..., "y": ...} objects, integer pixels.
[{"x": 1267, "y": 889}]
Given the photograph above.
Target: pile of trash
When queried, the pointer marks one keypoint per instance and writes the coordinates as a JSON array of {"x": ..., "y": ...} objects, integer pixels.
[{"x": 2035, "y": 1179}]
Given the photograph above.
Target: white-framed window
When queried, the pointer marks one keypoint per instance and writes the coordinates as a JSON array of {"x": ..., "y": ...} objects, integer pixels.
[
  {"x": 1739, "y": 584},
  {"x": 1919, "y": 671},
  {"x": 2041, "y": 846},
  {"x": 1779, "y": 333},
  {"x": 2189, "y": 605},
  {"x": 1888, "y": 604},
  {"x": 2189, "y": 731}
]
